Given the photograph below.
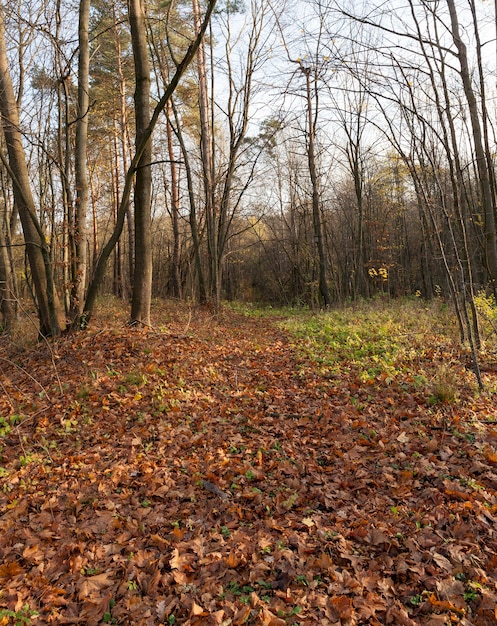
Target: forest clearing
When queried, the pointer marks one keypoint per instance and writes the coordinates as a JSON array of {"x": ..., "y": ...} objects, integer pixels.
[{"x": 273, "y": 467}]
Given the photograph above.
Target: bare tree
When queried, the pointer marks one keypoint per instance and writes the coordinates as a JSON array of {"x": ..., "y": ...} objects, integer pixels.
[
  {"x": 142, "y": 275},
  {"x": 99, "y": 270},
  {"x": 312, "y": 118},
  {"x": 485, "y": 177},
  {"x": 51, "y": 317},
  {"x": 207, "y": 156},
  {"x": 79, "y": 234},
  {"x": 237, "y": 164},
  {"x": 312, "y": 67},
  {"x": 7, "y": 293}
]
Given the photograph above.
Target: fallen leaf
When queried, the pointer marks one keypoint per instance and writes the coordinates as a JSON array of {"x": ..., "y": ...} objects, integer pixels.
[
  {"x": 341, "y": 607},
  {"x": 432, "y": 445},
  {"x": 93, "y": 584},
  {"x": 197, "y": 610},
  {"x": 269, "y": 619},
  {"x": 241, "y": 616},
  {"x": 9, "y": 570},
  {"x": 490, "y": 455},
  {"x": 232, "y": 561},
  {"x": 443, "y": 561}
]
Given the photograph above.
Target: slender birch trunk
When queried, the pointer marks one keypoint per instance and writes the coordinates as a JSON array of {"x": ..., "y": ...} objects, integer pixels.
[{"x": 79, "y": 261}]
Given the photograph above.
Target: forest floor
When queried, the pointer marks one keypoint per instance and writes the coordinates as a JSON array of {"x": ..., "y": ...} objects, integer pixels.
[{"x": 238, "y": 469}]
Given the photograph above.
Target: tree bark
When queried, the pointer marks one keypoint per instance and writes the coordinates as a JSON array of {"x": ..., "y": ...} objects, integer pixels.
[
  {"x": 207, "y": 162},
  {"x": 99, "y": 270},
  {"x": 202, "y": 295},
  {"x": 50, "y": 315},
  {"x": 316, "y": 209},
  {"x": 481, "y": 157},
  {"x": 79, "y": 261},
  {"x": 175, "y": 208},
  {"x": 142, "y": 275},
  {"x": 126, "y": 151},
  {"x": 7, "y": 295}
]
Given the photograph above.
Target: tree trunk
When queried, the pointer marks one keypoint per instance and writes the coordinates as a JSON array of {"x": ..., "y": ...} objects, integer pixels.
[
  {"x": 207, "y": 163},
  {"x": 142, "y": 275},
  {"x": 126, "y": 150},
  {"x": 79, "y": 261},
  {"x": 50, "y": 314},
  {"x": 481, "y": 157},
  {"x": 64, "y": 154},
  {"x": 175, "y": 207},
  {"x": 99, "y": 270},
  {"x": 193, "y": 211},
  {"x": 316, "y": 210},
  {"x": 7, "y": 295}
]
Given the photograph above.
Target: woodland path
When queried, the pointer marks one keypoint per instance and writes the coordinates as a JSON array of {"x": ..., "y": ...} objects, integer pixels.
[{"x": 203, "y": 473}]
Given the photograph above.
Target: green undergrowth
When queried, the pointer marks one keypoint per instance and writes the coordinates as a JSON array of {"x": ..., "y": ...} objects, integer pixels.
[
  {"x": 257, "y": 310},
  {"x": 380, "y": 340}
]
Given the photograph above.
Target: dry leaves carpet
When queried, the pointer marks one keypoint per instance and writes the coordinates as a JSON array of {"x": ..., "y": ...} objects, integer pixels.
[{"x": 204, "y": 472}]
